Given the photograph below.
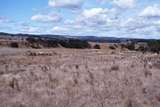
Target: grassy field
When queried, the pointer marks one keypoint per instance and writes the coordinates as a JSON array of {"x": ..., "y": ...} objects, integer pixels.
[{"x": 78, "y": 78}]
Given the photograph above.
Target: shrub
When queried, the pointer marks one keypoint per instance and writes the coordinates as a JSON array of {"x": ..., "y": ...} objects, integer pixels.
[
  {"x": 14, "y": 45},
  {"x": 96, "y": 46},
  {"x": 130, "y": 46},
  {"x": 74, "y": 43},
  {"x": 112, "y": 47},
  {"x": 142, "y": 49},
  {"x": 52, "y": 43},
  {"x": 122, "y": 46},
  {"x": 31, "y": 40},
  {"x": 154, "y": 46}
]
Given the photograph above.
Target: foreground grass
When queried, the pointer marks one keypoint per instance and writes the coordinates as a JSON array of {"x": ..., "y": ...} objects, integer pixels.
[{"x": 78, "y": 78}]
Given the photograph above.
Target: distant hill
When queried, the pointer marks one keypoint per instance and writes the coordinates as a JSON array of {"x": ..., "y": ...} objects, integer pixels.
[
  {"x": 78, "y": 42},
  {"x": 46, "y": 36},
  {"x": 111, "y": 39},
  {"x": 84, "y": 38},
  {"x": 40, "y": 41}
]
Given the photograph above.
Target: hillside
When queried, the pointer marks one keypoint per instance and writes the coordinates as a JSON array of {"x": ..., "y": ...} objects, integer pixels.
[
  {"x": 85, "y": 38},
  {"x": 78, "y": 42}
]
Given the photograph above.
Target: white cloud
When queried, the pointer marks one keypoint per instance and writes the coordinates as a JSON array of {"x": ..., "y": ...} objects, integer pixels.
[
  {"x": 140, "y": 27},
  {"x": 59, "y": 29},
  {"x": 97, "y": 16},
  {"x": 30, "y": 29},
  {"x": 125, "y": 3},
  {"x": 3, "y": 19},
  {"x": 94, "y": 12},
  {"x": 151, "y": 11},
  {"x": 46, "y": 18},
  {"x": 122, "y": 3},
  {"x": 33, "y": 29},
  {"x": 135, "y": 23},
  {"x": 66, "y": 3}
]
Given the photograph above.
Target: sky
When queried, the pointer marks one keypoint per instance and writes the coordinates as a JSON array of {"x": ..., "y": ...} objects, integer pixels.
[{"x": 106, "y": 18}]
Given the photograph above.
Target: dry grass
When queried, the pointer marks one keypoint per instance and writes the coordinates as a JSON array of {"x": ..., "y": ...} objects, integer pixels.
[{"x": 78, "y": 78}]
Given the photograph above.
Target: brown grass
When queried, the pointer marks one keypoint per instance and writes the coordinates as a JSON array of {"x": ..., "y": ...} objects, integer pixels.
[{"x": 78, "y": 78}]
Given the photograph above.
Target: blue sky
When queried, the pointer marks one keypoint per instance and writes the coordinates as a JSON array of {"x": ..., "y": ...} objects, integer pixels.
[{"x": 112, "y": 18}]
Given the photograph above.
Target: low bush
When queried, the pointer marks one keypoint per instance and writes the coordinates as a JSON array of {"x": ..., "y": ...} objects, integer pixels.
[
  {"x": 130, "y": 46},
  {"x": 154, "y": 46},
  {"x": 96, "y": 46},
  {"x": 52, "y": 43},
  {"x": 14, "y": 45},
  {"x": 112, "y": 47}
]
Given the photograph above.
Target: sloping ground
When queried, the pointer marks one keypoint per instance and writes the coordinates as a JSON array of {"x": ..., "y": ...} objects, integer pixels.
[{"x": 78, "y": 78}]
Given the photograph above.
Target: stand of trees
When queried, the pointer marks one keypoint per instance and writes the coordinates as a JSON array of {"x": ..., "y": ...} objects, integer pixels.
[
  {"x": 151, "y": 46},
  {"x": 52, "y": 43},
  {"x": 154, "y": 46}
]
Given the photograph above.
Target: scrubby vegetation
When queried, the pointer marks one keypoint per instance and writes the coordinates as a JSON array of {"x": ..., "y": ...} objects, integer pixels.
[
  {"x": 146, "y": 46},
  {"x": 52, "y": 43},
  {"x": 55, "y": 41},
  {"x": 96, "y": 46},
  {"x": 40, "y": 43},
  {"x": 154, "y": 46},
  {"x": 112, "y": 47},
  {"x": 130, "y": 46},
  {"x": 74, "y": 43},
  {"x": 150, "y": 46},
  {"x": 14, "y": 45}
]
